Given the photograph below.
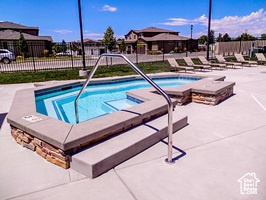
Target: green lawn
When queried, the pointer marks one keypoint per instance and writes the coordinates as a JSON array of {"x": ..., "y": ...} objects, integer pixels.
[{"x": 103, "y": 71}]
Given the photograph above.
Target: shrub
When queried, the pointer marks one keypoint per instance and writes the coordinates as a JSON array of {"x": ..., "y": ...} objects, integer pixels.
[{"x": 46, "y": 53}]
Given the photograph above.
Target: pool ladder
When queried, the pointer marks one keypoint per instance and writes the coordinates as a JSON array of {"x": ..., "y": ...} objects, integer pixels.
[{"x": 167, "y": 98}]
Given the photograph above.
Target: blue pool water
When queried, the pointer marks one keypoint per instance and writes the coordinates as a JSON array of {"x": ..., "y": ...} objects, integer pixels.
[{"x": 97, "y": 99}]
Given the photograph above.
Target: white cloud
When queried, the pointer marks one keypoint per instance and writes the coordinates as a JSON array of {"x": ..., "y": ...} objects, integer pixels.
[
  {"x": 119, "y": 36},
  {"x": 109, "y": 8},
  {"x": 94, "y": 35},
  {"x": 62, "y": 31},
  {"x": 254, "y": 23}
]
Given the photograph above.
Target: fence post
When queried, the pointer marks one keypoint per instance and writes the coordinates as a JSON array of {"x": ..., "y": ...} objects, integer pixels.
[
  {"x": 32, "y": 52},
  {"x": 137, "y": 59},
  {"x": 186, "y": 47},
  {"x": 240, "y": 44},
  {"x": 71, "y": 55},
  {"x": 163, "y": 51}
]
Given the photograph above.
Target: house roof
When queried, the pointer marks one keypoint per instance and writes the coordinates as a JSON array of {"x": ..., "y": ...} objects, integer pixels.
[
  {"x": 153, "y": 30},
  {"x": 88, "y": 40},
  {"x": 14, "y": 35},
  {"x": 11, "y": 25},
  {"x": 165, "y": 37}
]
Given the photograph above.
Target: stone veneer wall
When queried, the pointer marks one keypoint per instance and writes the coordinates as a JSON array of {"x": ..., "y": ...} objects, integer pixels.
[
  {"x": 210, "y": 99},
  {"x": 47, "y": 151},
  {"x": 58, "y": 156},
  {"x": 182, "y": 99}
]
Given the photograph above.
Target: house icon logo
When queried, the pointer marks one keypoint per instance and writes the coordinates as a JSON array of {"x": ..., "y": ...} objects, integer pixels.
[{"x": 248, "y": 184}]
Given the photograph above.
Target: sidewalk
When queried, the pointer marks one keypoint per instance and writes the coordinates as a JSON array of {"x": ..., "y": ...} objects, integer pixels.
[{"x": 220, "y": 145}]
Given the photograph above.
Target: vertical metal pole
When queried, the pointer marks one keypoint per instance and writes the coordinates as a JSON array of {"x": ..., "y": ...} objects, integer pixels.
[
  {"x": 240, "y": 45},
  {"x": 170, "y": 134},
  {"x": 81, "y": 38},
  {"x": 71, "y": 55},
  {"x": 209, "y": 29},
  {"x": 137, "y": 58},
  {"x": 191, "y": 28},
  {"x": 33, "y": 58},
  {"x": 163, "y": 51},
  {"x": 186, "y": 47}
]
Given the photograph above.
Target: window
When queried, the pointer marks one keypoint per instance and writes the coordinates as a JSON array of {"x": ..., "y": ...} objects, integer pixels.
[
  {"x": 134, "y": 37},
  {"x": 130, "y": 37},
  {"x": 126, "y": 37},
  {"x": 140, "y": 35}
]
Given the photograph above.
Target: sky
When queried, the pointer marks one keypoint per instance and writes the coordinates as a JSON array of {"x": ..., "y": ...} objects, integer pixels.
[{"x": 59, "y": 18}]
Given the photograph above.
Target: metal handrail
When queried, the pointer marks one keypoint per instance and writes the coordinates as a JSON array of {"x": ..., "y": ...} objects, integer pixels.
[{"x": 169, "y": 101}]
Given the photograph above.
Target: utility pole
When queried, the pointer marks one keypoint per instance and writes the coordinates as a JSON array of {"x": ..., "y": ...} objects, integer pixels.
[
  {"x": 209, "y": 29},
  {"x": 81, "y": 40}
]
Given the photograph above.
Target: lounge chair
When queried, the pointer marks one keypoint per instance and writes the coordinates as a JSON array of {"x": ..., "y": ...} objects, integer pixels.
[
  {"x": 176, "y": 66},
  {"x": 221, "y": 59},
  {"x": 261, "y": 58},
  {"x": 190, "y": 63},
  {"x": 204, "y": 61},
  {"x": 241, "y": 59}
]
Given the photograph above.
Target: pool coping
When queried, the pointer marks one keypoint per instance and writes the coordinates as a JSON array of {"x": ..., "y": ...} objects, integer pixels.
[{"x": 67, "y": 136}]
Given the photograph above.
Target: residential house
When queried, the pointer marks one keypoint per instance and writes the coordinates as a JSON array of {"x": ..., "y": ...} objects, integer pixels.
[
  {"x": 92, "y": 47},
  {"x": 10, "y": 34},
  {"x": 154, "y": 39}
]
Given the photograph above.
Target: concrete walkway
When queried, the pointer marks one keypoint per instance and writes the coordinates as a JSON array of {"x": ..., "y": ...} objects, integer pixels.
[{"x": 221, "y": 144}]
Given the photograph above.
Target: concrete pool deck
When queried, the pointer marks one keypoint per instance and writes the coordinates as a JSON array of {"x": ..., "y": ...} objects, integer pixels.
[{"x": 221, "y": 144}]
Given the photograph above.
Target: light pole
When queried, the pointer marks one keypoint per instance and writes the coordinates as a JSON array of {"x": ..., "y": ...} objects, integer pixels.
[
  {"x": 81, "y": 39},
  {"x": 209, "y": 29},
  {"x": 191, "y": 29}
]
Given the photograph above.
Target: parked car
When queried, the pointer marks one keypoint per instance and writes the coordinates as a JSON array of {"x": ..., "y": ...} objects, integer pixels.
[
  {"x": 66, "y": 53},
  {"x": 6, "y": 56}
]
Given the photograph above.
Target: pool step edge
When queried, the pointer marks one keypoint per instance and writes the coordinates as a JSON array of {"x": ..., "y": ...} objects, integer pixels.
[{"x": 104, "y": 156}]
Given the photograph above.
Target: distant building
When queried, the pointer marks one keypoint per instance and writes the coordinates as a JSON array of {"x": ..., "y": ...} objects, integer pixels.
[
  {"x": 10, "y": 33},
  {"x": 92, "y": 47},
  {"x": 154, "y": 39}
]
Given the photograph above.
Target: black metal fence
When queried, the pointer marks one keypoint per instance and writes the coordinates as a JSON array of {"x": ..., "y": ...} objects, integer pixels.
[
  {"x": 62, "y": 56},
  {"x": 42, "y": 56}
]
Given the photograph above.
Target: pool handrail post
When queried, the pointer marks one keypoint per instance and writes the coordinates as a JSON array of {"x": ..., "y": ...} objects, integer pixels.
[{"x": 168, "y": 99}]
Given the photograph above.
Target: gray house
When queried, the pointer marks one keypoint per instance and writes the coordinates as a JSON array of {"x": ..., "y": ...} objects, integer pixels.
[{"x": 10, "y": 33}]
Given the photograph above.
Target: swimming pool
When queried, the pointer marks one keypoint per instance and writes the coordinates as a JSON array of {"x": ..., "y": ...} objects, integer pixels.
[{"x": 98, "y": 99}]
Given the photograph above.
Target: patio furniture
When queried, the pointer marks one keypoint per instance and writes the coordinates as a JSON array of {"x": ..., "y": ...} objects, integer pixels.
[
  {"x": 261, "y": 58},
  {"x": 176, "y": 66},
  {"x": 240, "y": 58},
  {"x": 190, "y": 63},
  {"x": 204, "y": 61},
  {"x": 221, "y": 59}
]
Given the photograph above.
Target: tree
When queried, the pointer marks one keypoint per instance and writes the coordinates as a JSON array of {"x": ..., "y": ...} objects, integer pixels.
[
  {"x": 123, "y": 46},
  {"x": 74, "y": 47},
  {"x": 109, "y": 39},
  {"x": 245, "y": 37},
  {"x": 203, "y": 39},
  {"x": 57, "y": 48},
  {"x": 226, "y": 37},
  {"x": 220, "y": 37},
  {"x": 63, "y": 45},
  {"x": 23, "y": 46},
  {"x": 263, "y": 36}
]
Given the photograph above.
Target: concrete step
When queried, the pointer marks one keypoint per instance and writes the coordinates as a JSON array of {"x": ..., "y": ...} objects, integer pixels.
[{"x": 98, "y": 159}]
